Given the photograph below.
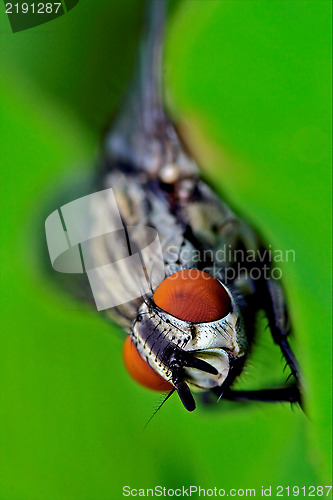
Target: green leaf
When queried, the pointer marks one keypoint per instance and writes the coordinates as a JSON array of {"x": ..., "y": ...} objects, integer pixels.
[{"x": 248, "y": 84}]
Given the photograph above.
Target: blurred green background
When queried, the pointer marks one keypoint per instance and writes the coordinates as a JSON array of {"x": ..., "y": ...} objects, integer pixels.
[{"x": 248, "y": 83}]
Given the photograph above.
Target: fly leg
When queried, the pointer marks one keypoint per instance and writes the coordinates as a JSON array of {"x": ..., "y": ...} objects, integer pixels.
[
  {"x": 289, "y": 394},
  {"x": 272, "y": 301},
  {"x": 286, "y": 394}
]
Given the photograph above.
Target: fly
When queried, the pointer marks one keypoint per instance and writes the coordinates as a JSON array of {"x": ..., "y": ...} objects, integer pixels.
[{"x": 193, "y": 329}]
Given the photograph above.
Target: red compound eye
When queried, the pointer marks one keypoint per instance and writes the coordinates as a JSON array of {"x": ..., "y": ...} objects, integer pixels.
[
  {"x": 141, "y": 371},
  {"x": 194, "y": 296}
]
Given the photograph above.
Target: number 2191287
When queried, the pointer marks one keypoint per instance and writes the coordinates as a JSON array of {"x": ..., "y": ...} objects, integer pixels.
[
  {"x": 309, "y": 491},
  {"x": 33, "y": 8}
]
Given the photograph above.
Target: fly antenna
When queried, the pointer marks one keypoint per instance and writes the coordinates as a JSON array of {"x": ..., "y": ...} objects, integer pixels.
[{"x": 181, "y": 386}]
